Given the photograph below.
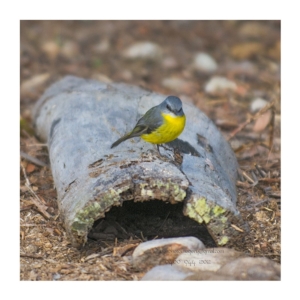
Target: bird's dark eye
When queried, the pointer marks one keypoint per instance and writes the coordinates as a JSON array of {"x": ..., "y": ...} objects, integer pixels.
[{"x": 168, "y": 107}]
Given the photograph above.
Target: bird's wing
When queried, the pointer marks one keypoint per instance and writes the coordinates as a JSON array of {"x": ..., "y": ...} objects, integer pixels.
[{"x": 149, "y": 122}]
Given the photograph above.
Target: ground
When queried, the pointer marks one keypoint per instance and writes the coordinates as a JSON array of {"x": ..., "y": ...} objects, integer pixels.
[{"x": 247, "y": 53}]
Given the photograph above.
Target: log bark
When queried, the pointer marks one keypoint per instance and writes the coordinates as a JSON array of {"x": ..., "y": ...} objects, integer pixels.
[{"x": 80, "y": 119}]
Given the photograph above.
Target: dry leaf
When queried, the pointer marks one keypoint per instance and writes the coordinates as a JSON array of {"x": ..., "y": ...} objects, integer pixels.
[
  {"x": 30, "y": 168},
  {"x": 262, "y": 122}
]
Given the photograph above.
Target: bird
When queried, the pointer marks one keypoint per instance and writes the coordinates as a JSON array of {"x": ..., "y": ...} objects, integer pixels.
[{"x": 160, "y": 124}]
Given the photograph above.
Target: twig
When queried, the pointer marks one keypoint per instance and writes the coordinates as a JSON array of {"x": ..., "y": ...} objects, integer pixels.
[
  {"x": 26, "y": 207},
  {"x": 236, "y": 228},
  {"x": 243, "y": 184},
  {"x": 260, "y": 170},
  {"x": 31, "y": 255},
  {"x": 272, "y": 128},
  {"x": 270, "y": 179},
  {"x": 248, "y": 177},
  {"x": 33, "y": 159},
  {"x": 250, "y": 119},
  {"x": 36, "y": 200},
  {"x": 163, "y": 222}
]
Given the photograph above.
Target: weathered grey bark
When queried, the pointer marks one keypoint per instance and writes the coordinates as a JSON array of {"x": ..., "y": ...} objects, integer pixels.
[{"x": 80, "y": 119}]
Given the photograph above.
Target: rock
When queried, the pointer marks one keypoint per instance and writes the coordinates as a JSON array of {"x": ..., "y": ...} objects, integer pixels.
[
  {"x": 177, "y": 84},
  {"x": 51, "y": 49},
  {"x": 246, "y": 50},
  {"x": 218, "y": 84},
  {"x": 164, "y": 251},
  {"x": 31, "y": 85},
  {"x": 169, "y": 63},
  {"x": 126, "y": 75},
  {"x": 254, "y": 29},
  {"x": 143, "y": 50},
  {"x": 264, "y": 120},
  {"x": 210, "y": 259},
  {"x": 209, "y": 275},
  {"x": 69, "y": 49},
  {"x": 204, "y": 62},
  {"x": 250, "y": 268},
  {"x": 166, "y": 272},
  {"x": 102, "y": 47},
  {"x": 257, "y": 104},
  {"x": 101, "y": 77},
  {"x": 244, "y": 67}
]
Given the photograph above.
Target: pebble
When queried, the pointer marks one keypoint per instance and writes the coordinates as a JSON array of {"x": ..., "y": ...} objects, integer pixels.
[
  {"x": 257, "y": 104},
  {"x": 252, "y": 268},
  {"x": 51, "y": 49},
  {"x": 220, "y": 264},
  {"x": 175, "y": 84},
  {"x": 166, "y": 272},
  {"x": 262, "y": 122},
  {"x": 143, "y": 50},
  {"x": 253, "y": 29},
  {"x": 102, "y": 47},
  {"x": 169, "y": 63},
  {"x": 210, "y": 259},
  {"x": 164, "y": 251},
  {"x": 244, "y": 67},
  {"x": 246, "y": 50},
  {"x": 219, "y": 84},
  {"x": 101, "y": 77},
  {"x": 56, "y": 276},
  {"x": 31, "y": 85},
  {"x": 204, "y": 62},
  {"x": 69, "y": 49}
]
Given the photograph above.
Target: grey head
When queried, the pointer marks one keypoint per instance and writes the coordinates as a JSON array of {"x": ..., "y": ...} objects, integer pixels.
[{"x": 172, "y": 105}]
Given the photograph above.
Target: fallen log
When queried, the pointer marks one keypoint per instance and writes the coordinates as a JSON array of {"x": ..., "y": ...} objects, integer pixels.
[{"x": 80, "y": 119}]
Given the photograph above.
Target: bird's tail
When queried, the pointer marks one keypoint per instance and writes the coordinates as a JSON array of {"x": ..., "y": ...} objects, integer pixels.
[{"x": 120, "y": 140}]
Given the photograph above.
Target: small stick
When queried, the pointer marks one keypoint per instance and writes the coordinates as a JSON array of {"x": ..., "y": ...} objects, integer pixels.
[
  {"x": 33, "y": 159},
  {"x": 243, "y": 184},
  {"x": 236, "y": 228},
  {"x": 26, "y": 207},
  {"x": 250, "y": 119},
  {"x": 270, "y": 179},
  {"x": 163, "y": 222},
  {"x": 254, "y": 176},
  {"x": 272, "y": 126},
  {"x": 248, "y": 177},
  {"x": 31, "y": 255},
  {"x": 36, "y": 200},
  {"x": 260, "y": 170}
]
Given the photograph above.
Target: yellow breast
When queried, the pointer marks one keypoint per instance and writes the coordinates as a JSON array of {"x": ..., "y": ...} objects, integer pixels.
[{"x": 168, "y": 131}]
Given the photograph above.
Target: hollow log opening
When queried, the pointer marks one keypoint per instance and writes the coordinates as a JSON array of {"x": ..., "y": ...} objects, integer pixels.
[{"x": 148, "y": 220}]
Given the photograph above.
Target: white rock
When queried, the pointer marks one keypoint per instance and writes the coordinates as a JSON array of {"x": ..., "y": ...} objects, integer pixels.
[
  {"x": 33, "y": 83},
  {"x": 204, "y": 62},
  {"x": 69, "y": 49},
  {"x": 169, "y": 63},
  {"x": 252, "y": 268},
  {"x": 210, "y": 259},
  {"x": 143, "y": 50},
  {"x": 176, "y": 84},
  {"x": 166, "y": 272},
  {"x": 219, "y": 84},
  {"x": 189, "y": 242},
  {"x": 257, "y": 104},
  {"x": 102, "y": 46}
]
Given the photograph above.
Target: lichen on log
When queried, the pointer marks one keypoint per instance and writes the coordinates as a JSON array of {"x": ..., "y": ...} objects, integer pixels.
[{"x": 80, "y": 119}]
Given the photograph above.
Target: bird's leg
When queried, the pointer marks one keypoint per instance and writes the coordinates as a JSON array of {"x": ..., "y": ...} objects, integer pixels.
[{"x": 157, "y": 145}]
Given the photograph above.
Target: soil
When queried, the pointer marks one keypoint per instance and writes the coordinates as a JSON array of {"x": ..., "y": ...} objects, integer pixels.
[{"x": 247, "y": 52}]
